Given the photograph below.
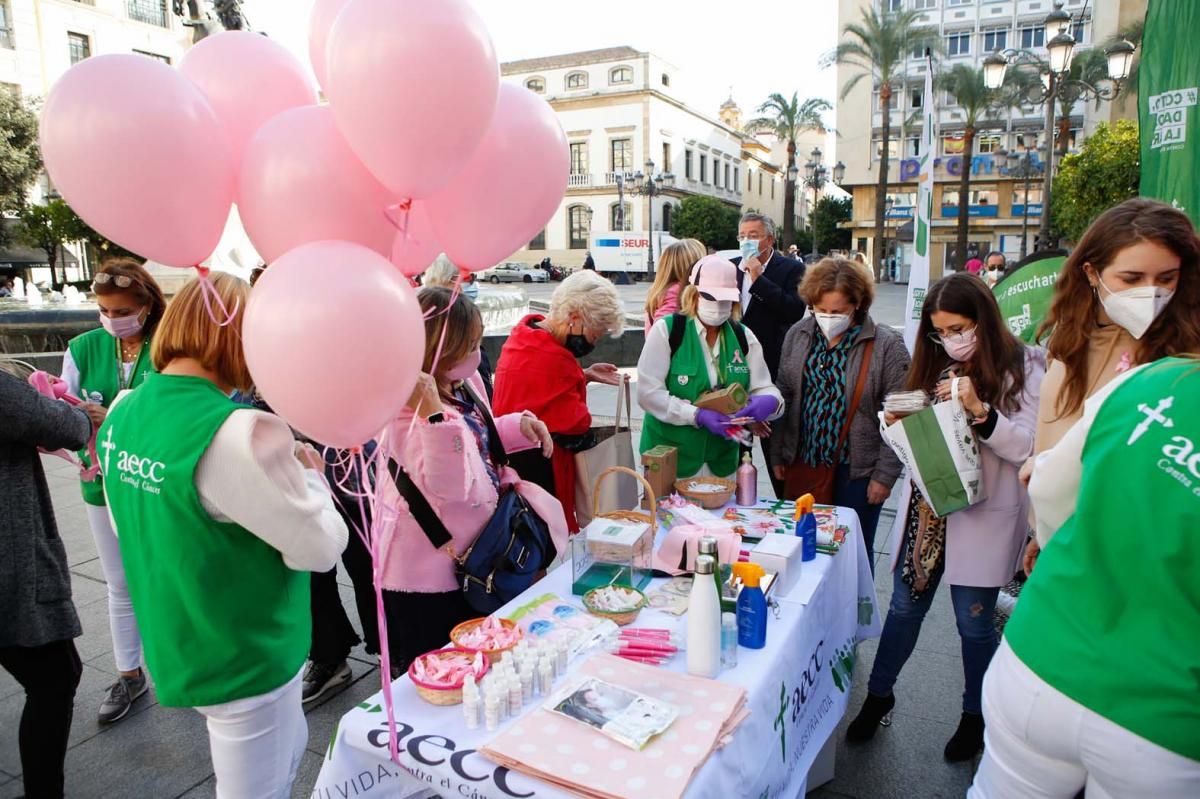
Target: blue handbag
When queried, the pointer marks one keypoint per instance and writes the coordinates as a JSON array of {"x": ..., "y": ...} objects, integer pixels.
[{"x": 512, "y": 549}]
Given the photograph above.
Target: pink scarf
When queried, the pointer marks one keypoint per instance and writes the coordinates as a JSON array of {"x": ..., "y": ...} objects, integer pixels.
[{"x": 53, "y": 387}]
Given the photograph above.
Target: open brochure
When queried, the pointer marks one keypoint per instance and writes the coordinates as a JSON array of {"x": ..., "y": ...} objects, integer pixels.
[{"x": 629, "y": 718}]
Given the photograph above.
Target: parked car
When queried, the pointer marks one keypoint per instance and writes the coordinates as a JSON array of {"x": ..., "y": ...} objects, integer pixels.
[{"x": 514, "y": 272}]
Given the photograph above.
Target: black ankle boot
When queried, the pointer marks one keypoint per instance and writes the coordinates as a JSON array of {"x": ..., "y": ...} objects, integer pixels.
[
  {"x": 868, "y": 720},
  {"x": 967, "y": 740}
]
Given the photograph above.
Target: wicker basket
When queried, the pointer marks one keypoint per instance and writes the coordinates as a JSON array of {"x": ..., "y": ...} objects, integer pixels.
[
  {"x": 621, "y": 617},
  {"x": 440, "y": 695},
  {"x": 493, "y": 655},
  {"x": 709, "y": 500},
  {"x": 626, "y": 515}
]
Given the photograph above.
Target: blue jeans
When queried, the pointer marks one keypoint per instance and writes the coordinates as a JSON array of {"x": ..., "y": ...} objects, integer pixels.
[
  {"x": 853, "y": 494},
  {"x": 972, "y": 610}
]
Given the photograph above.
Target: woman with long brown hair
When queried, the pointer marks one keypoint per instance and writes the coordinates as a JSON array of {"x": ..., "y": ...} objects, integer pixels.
[
  {"x": 96, "y": 367},
  {"x": 1128, "y": 294},
  {"x": 962, "y": 338},
  {"x": 674, "y": 266}
]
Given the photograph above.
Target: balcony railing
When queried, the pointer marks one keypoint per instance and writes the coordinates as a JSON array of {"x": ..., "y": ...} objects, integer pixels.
[{"x": 579, "y": 181}]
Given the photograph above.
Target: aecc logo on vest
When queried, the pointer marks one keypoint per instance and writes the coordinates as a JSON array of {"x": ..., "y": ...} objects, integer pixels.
[{"x": 139, "y": 472}]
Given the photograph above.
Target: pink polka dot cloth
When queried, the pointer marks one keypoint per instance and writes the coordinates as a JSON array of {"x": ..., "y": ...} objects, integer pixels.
[{"x": 578, "y": 758}]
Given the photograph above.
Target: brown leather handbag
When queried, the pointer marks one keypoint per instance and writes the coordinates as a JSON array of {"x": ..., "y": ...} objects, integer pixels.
[{"x": 801, "y": 478}]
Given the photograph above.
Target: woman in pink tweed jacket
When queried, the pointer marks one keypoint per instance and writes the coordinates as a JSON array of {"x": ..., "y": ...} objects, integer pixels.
[{"x": 440, "y": 440}]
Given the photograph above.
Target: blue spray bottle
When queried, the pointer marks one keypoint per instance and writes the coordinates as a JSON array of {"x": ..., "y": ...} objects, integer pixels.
[
  {"x": 806, "y": 527},
  {"x": 751, "y": 606}
]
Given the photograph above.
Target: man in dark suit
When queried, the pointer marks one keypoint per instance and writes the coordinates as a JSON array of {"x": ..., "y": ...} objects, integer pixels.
[{"x": 771, "y": 304}]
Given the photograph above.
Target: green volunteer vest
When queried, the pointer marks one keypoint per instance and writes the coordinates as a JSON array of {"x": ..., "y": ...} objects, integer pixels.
[
  {"x": 221, "y": 617},
  {"x": 98, "y": 357},
  {"x": 1131, "y": 659},
  {"x": 688, "y": 379}
]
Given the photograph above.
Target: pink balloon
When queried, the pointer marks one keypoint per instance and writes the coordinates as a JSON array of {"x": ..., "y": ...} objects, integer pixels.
[
  {"x": 510, "y": 187},
  {"x": 300, "y": 182},
  {"x": 413, "y": 85},
  {"x": 335, "y": 339},
  {"x": 247, "y": 79},
  {"x": 320, "y": 22},
  {"x": 137, "y": 151},
  {"x": 415, "y": 247}
]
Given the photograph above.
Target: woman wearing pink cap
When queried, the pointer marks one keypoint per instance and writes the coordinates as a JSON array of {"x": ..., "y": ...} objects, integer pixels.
[{"x": 704, "y": 348}]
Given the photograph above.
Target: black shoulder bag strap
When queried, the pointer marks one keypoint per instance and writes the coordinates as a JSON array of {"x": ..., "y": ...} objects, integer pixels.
[
  {"x": 420, "y": 508},
  {"x": 678, "y": 328}
]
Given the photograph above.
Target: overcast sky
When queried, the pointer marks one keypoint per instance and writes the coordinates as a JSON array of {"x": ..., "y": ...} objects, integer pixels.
[{"x": 768, "y": 46}]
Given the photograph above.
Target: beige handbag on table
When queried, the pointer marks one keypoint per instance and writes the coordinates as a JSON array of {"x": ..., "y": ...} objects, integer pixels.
[{"x": 614, "y": 447}]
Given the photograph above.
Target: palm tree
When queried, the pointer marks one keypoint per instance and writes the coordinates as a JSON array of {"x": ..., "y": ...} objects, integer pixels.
[
  {"x": 877, "y": 45},
  {"x": 977, "y": 102},
  {"x": 787, "y": 119}
]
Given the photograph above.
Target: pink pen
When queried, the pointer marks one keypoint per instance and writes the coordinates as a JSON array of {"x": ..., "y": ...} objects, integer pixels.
[
  {"x": 651, "y": 646},
  {"x": 636, "y": 659},
  {"x": 648, "y": 632}
]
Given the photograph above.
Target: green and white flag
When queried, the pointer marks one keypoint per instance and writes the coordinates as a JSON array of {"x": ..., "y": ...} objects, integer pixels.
[
  {"x": 1168, "y": 85},
  {"x": 918, "y": 274},
  {"x": 1025, "y": 295}
]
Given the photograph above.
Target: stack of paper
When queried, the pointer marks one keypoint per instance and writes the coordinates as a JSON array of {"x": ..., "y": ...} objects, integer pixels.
[{"x": 579, "y": 758}]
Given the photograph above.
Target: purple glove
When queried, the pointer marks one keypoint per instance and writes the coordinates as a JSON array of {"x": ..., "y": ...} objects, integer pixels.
[
  {"x": 713, "y": 422},
  {"x": 760, "y": 407}
]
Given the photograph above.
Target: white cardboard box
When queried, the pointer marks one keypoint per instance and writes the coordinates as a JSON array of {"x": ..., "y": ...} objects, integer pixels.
[{"x": 781, "y": 554}]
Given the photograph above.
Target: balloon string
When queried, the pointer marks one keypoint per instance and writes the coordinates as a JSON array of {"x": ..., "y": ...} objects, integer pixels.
[{"x": 212, "y": 296}]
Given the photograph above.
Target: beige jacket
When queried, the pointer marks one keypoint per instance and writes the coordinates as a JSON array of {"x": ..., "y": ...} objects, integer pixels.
[{"x": 1111, "y": 351}]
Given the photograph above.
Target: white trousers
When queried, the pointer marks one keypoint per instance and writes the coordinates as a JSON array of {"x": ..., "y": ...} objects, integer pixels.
[
  {"x": 257, "y": 743},
  {"x": 1041, "y": 744},
  {"x": 127, "y": 641}
]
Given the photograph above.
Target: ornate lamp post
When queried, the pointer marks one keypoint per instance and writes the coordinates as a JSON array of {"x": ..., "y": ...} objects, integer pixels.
[
  {"x": 1021, "y": 165},
  {"x": 1056, "y": 86},
  {"x": 815, "y": 175},
  {"x": 649, "y": 185}
]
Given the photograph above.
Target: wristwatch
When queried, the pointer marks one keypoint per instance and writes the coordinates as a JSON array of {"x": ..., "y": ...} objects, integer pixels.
[
  {"x": 436, "y": 418},
  {"x": 983, "y": 417}
]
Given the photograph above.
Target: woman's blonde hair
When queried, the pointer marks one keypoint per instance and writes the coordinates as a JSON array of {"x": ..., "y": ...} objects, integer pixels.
[
  {"x": 592, "y": 298},
  {"x": 461, "y": 323},
  {"x": 674, "y": 266},
  {"x": 689, "y": 303},
  {"x": 188, "y": 329}
]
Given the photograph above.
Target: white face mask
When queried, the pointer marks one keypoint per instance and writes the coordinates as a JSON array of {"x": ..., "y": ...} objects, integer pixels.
[
  {"x": 714, "y": 313},
  {"x": 1134, "y": 309},
  {"x": 832, "y": 324}
]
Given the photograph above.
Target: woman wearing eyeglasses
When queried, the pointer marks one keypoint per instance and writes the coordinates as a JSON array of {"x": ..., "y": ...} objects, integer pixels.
[
  {"x": 97, "y": 366},
  {"x": 961, "y": 335}
]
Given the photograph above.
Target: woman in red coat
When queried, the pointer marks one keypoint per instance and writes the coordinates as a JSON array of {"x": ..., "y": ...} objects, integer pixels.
[{"x": 538, "y": 371}]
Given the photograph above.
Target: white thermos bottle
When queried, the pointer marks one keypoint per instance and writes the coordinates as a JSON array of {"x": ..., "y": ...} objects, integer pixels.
[{"x": 704, "y": 622}]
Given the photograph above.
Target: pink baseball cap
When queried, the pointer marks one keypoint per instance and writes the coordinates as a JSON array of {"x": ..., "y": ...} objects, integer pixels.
[{"x": 716, "y": 278}]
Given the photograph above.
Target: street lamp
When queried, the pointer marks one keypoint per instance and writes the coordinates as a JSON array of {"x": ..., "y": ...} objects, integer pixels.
[
  {"x": 1021, "y": 165},
  {"x": 815, "y": 176},
  {"x": 1056, "y": 86},
  {"x": 650, "y": 185},
  {"x": 884, "y": 271}
]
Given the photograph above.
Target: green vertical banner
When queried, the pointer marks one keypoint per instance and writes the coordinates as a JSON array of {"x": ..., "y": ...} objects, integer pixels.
[
  {"x": 1024, "y": 296},
  {"x": 1168, "y": 112}
]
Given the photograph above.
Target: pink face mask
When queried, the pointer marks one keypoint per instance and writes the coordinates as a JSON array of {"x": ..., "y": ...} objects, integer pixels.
[
  {"x": 466, "y": 367},
  {"x": 124, "y": 326}
]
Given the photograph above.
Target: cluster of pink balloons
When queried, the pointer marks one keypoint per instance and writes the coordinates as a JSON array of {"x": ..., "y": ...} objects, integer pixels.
[{"x": 420, "y": 150}]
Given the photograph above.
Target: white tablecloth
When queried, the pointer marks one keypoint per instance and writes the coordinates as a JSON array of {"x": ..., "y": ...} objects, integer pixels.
[{"x": 797, "y": 690}]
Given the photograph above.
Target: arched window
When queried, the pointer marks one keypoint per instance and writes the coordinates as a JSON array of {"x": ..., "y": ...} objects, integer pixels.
[
  {"x": 618, "y": 220},
  {"x": 666, "y": 217},
  {"x": 536, "y": 85},
  {"x": 579, "y": 226},
  {"x": 620, "y": 75},
  {"x": 577, "y": 80}
]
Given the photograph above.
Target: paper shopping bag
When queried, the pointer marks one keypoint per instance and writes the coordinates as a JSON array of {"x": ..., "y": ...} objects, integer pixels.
[
  {"x": 614, "y": 448},
  {"x": 941, "y": 452}
]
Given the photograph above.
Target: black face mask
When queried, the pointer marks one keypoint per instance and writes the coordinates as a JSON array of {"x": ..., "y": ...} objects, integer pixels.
[{"x": 578, "y": 345}]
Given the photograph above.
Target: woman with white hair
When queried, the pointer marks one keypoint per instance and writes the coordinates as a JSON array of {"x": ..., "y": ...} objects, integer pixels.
[
  {"x": 442, "y": 273},
  {"x": 539, "y": 372}
]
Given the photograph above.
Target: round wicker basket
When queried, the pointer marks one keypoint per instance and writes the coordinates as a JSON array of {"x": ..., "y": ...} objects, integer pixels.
[
  {"x": 493, "y": 655},
  {"x": 709, "y": 500},
  {"x": 619, "y": 617},
  {"x": 640, "y": 515},
  {"x": 438, "y": 694}
]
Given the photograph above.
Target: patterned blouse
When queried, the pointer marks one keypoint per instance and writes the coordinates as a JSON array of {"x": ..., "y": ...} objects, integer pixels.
[
  {"x": 473, "y": 416},
  {"x": 825, "y": 401}
]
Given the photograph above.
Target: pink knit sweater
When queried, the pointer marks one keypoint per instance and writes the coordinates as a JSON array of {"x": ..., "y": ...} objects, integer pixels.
[
  {"x": 668, "y": 305},
  {"x": 445, "y": 464}
]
